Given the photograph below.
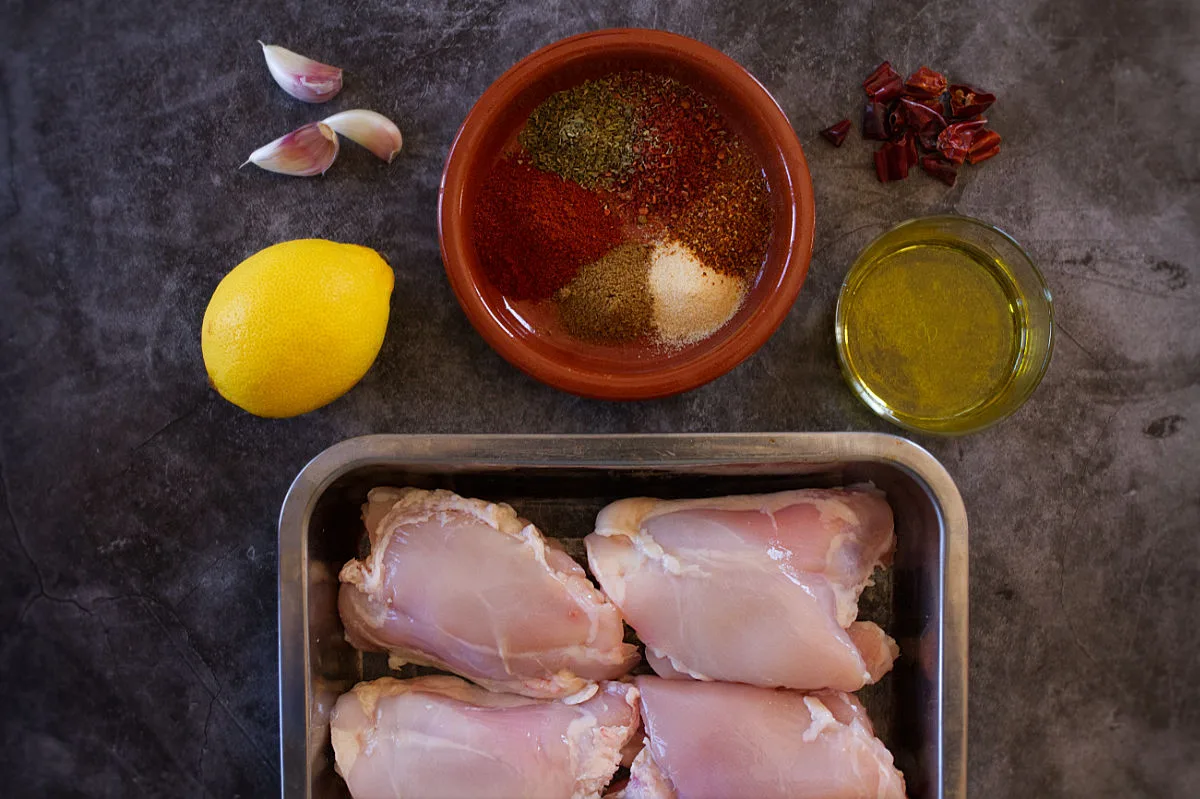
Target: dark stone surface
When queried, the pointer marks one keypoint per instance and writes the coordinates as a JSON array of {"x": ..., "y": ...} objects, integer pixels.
[{"x": 137, "y": 583}]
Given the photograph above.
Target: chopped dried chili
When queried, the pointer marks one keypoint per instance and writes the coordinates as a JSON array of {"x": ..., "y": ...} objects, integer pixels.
[
  {"x": 966, "y": 102},
  {"x": 910, "y": 147},
  {"x": 884, "y": 84},
  {"x": 925, "y": 83},
  {"x": 940, "y": 168},
  {"x": 933, "y": 104},
  {"x": 836, "y": 134},
  {"x": 955, "y": 141},
  {"x": 924, "y": 121},
  {"x": 985, "y": 145},
  {"x": 897, "y": 121},
  {"x": 875, "y": 121},
  {"x": 891, "y": 161}
]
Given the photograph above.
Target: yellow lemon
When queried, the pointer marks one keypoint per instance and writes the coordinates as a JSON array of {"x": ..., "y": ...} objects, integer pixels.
[{"x": 295, "y": 326}]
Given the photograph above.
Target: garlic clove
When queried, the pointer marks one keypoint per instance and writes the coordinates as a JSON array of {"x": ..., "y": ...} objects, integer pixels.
[
  {"x": 371, "y": 130},
  {"x": 304, "y": 152},
  {"x": 302, "y": 78}
]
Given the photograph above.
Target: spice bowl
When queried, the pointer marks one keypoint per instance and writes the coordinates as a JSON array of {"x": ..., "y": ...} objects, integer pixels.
[
  {"x": 634, "y": 369},
  {"x": 944, "y": 325}
]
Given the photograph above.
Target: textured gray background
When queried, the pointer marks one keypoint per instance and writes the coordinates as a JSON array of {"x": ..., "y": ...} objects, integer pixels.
[{"x": 137, "y": 582}]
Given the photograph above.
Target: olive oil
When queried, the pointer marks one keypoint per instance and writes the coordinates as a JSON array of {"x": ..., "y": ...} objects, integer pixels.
[{"x": 933, "y": 329}]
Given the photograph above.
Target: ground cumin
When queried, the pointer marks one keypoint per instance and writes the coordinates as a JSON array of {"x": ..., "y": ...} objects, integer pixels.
[{"x": 609, "y": 299}]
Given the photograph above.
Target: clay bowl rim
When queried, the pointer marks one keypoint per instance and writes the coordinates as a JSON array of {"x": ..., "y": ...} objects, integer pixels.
[{"x": 784, "y": 271}]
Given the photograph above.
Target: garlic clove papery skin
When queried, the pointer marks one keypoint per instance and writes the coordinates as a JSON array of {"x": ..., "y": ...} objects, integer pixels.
[
  {"x": 371, "y": 130},
  {"x": 301, "y": 77},
  {"x": 306, "y": 151}
]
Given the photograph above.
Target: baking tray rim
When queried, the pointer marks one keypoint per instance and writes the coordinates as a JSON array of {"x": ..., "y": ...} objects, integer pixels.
[{"x": 625, "y": 450}]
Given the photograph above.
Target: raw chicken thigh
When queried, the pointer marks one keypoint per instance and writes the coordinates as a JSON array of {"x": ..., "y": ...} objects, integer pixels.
[
  {"x": 726, "y": 741},
  {"x": 468, "y": 586},
  {"x": 756, "y": 589},
  {"x": 443, "y": 738}
]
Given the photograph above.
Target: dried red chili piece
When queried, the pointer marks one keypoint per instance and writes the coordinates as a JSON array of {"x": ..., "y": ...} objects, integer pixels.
[
  {"x": 985, "y": 145},
  {"x": 932, "y": 103},
  {"x": 966, "y": 102},
  {"x": 881, "y": 165},
  {"x": 955, "y": 141},
  {"x": 909, "y": 140},
  {"x": 875, "y": 122},
  {"x": 891, "y": 162},
  {"x": 836, "y": 134},
  {"x": 924, "y": 121},
  {"x": 925, "y": 83},
  {"x": 884, "y": 84},
  {"x": 936, "y": 105},
  {"x": 897, "y": 121},
  {"x": 940, "y": 168}
]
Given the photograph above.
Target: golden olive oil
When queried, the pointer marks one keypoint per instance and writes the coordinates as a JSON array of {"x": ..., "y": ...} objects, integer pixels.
[{"x": 930, "y": 329}]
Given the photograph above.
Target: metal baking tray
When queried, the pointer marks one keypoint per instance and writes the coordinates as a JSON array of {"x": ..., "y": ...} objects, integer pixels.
[{"x": 560, "y": 483}]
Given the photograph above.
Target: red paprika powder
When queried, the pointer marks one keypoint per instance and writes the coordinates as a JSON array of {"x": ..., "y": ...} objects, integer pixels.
[{"x": 533, "y": 230}]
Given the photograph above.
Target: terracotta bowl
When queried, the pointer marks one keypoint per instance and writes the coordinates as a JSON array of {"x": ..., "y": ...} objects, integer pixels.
[{"x": 627, "y": 372}]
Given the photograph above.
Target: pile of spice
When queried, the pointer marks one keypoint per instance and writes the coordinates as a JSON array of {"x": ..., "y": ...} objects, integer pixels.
[
  {"x": 609, "y": 299},
  {"x": 585, "y": 134},
  {"x": 691, "y": 301},
  {"x": 729, "y": 226},
  {"x": 925, "y": 120},
  {"x": 533, "y": 230},
  {"x": 684, "y": 143},
  {"x": 632, "y": 207}
]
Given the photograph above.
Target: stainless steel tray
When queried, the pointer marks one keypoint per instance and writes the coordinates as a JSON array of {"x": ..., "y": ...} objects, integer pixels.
[{"x": 559, "y": 483}]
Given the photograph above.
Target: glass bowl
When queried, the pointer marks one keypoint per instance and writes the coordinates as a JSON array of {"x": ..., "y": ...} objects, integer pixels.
[{"x": 944, "y": 325}]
